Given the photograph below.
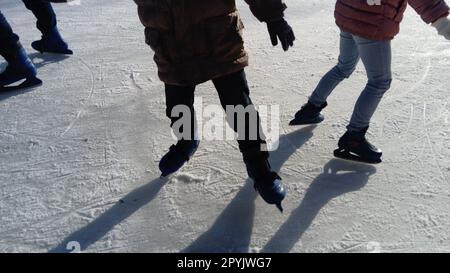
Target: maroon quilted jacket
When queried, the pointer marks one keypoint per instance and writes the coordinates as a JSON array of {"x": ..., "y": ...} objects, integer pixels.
[{"x": 373, "y": 21}]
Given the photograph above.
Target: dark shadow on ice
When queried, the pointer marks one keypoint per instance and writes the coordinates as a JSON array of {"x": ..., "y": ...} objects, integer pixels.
[
  {"x": 128, "y": 205},
  {"x": 9, "y": 94},
  {"x": 41, "y": 60},
  {"x": 231, "y": 232},
  {"x": 233, "y": 228},
  {"x": 288, "y": 145},
  {"x": 339, "y": 177}
]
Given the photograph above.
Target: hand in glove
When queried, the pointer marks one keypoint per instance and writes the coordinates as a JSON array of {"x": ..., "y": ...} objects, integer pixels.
[
  {"x": 443, "y": 27},
  {"x": 281, "y": 30}
]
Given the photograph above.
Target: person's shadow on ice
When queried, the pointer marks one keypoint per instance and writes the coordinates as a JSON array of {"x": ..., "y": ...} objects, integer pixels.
[
  {"x": 232, "y": 230},
  {"x": 339, "y": 177},
  {"x": 95, "y": 230}
]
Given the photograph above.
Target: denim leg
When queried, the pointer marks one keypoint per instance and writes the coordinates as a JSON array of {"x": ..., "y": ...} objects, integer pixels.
[
  {"x": 376, "y": 56},
  {"x": 348, "y": 59},
  {"x": 9, "y": 44},
  {"x": 44, "y": 13}
]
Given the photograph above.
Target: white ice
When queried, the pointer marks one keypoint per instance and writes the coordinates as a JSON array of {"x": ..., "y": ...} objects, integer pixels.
[{"x": 79, "y": 155}]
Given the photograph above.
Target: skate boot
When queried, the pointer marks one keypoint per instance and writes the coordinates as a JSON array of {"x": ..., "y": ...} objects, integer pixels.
[
  {"x": 354, "y": 146},
  {"x": 177, "y": 156},
  {"x": 309, "y": 114},
  {"x": 266, "y": 182},
  {"x": 52, "y": 42},
  {"x": 19, "y": 68}
]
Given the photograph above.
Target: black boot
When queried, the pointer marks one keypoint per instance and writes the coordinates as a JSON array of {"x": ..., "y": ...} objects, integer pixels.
[
  {"x": 309, "y": 114},
  {"x": 266, "y": 182},
  {"x": 19, "y": 68},
  {"x": 354, "y": 146},
  {"x": 177, "y": 156},
  {"x": 52, "y": 42}
]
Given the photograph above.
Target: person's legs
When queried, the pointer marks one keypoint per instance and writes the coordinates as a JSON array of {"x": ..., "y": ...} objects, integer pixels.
[
  {"x": 44, "y": 13},
  {"x": 376, "y": 56},
  {"x": 348, "y": 59}
]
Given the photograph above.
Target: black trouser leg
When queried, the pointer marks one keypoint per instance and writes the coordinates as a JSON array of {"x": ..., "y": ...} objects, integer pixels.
[
  {"x": 9, "y": 41},
  {"x": 233, "y": 91},
  {"x": 180, "y": 96},
  {"x": 44, "y": 13}
]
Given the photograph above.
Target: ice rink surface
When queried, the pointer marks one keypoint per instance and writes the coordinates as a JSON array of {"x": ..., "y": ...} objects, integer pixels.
[{"x": 79, "y": 155}]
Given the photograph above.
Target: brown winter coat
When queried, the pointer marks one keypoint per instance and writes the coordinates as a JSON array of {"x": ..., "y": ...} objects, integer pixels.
[
  {"x": 198, "y": 40},
  {"x": 382, "y": 22}
]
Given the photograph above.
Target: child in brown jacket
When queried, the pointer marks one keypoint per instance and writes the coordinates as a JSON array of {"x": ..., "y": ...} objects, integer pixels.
[{"x": 201, "y": 40}]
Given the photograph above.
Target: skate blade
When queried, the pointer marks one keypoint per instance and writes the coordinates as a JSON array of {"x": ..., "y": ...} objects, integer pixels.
[
  {"x": 27, "y": 84},
  {"x": 346, "y": 155},
  {"x": 280, "y": 207}
]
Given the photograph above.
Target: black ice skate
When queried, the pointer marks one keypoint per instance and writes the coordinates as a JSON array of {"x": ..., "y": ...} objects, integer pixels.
[
  {"x": 19, "y": 69},
  {"x": 354, "y": 146},
  {"x": 309, "y": 114},
  {"x": 52, "y": 42},
  {"x": 266, "y": 182},
  {"x": 177, "y": 156}
]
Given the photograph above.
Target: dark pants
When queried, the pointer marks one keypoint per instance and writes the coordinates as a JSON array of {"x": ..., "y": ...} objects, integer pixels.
[
  {"x": 9, "y": 41},
  {"x": 233, "y": 91},
  {"x": 43, "y": 11}
]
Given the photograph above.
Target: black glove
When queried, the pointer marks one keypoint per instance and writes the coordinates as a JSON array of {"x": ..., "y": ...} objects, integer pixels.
[{"x": 280, "y": 29}]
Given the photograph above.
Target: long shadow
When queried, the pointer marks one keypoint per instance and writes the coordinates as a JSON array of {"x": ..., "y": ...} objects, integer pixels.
[
  {"x": 9, "y": 94},
  {"x": 231, "y": 232},
  {"x": 339, "y": 177},
  {"x": 233, "y": 228},
  {"x": 123, "y": 209}
]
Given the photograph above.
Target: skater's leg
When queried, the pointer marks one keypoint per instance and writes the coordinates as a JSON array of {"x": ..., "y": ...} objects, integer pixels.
[
  {"x": 234, "y": 92},
  {"x": 180, "y": 109},
  {"x": 9, "y": 40},
  {"x": 19, "y": 66},
  {"x": 348, "y": 59},
  {"x": 183, "y": 98},
  {"x": 376, "y": 56},
  {"x": 44, "y": 13},
  {"x": 46, "y": 22}
]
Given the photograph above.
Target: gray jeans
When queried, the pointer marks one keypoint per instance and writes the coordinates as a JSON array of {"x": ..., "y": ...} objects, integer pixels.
[{"x": 376, "y": 56}]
